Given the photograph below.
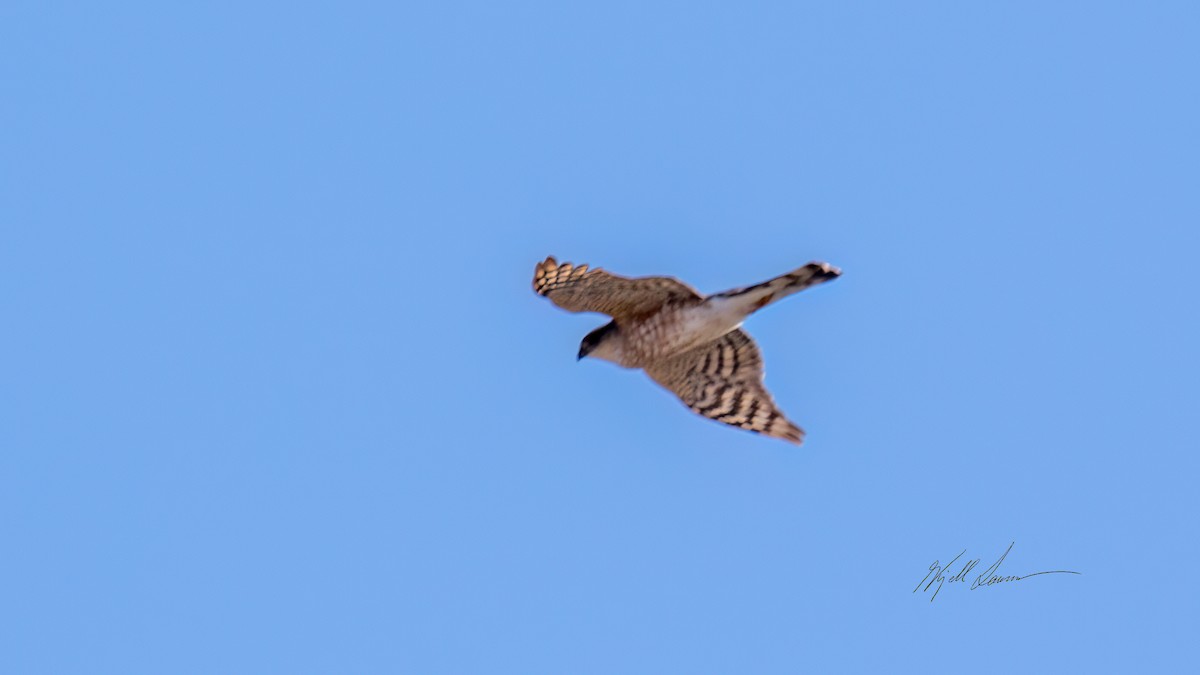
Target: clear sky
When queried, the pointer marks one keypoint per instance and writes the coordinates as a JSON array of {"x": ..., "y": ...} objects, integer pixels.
[{"x": 277, "y": 397}]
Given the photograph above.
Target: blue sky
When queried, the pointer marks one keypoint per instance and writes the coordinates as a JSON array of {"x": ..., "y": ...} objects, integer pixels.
[{"x": 277, "y": 396}]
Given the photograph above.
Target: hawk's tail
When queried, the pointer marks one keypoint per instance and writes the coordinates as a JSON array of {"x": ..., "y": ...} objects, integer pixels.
[{"x": 753, "y": 298}]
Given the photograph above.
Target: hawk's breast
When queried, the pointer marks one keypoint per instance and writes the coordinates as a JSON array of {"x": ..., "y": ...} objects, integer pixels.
[{"x": 674, "y": 329}]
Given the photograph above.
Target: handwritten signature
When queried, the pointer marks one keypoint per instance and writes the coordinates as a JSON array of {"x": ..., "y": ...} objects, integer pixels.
[{"x": 990, "y": 576}]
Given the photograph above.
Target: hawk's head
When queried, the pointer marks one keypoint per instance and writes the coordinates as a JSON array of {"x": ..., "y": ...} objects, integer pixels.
[{"x": 596, "y": 343}]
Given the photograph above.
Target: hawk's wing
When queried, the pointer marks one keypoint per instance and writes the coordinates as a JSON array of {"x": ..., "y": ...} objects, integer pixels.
[
  {"x": 723, "y": 380},
  {"x": 578, "y": 289}
]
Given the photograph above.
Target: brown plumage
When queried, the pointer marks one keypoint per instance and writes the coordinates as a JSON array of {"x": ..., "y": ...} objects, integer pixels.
[
  {"x": 578, "y": 289},
  {"x": 690, "y": 344},
  {"x": 723, "y": 380}
]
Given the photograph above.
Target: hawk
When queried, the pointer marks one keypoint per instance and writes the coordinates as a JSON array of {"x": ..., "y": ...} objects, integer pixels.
[{"x": 690, "y": 344}]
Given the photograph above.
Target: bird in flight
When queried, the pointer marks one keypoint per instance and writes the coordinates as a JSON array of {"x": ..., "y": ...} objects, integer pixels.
[{"x": 690, "y": 344}]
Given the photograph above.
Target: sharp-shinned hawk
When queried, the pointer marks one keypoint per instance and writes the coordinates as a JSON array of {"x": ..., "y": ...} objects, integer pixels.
[{"x": 691, "y": 344}]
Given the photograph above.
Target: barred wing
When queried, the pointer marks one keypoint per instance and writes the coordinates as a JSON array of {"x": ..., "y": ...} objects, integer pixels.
[
  {"x": 578, "y": 289},
  {"x": 723, "y": 380}
]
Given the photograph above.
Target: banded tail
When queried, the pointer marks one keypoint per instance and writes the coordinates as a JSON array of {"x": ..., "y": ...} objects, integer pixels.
[{"x": 753, "y": 298}]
